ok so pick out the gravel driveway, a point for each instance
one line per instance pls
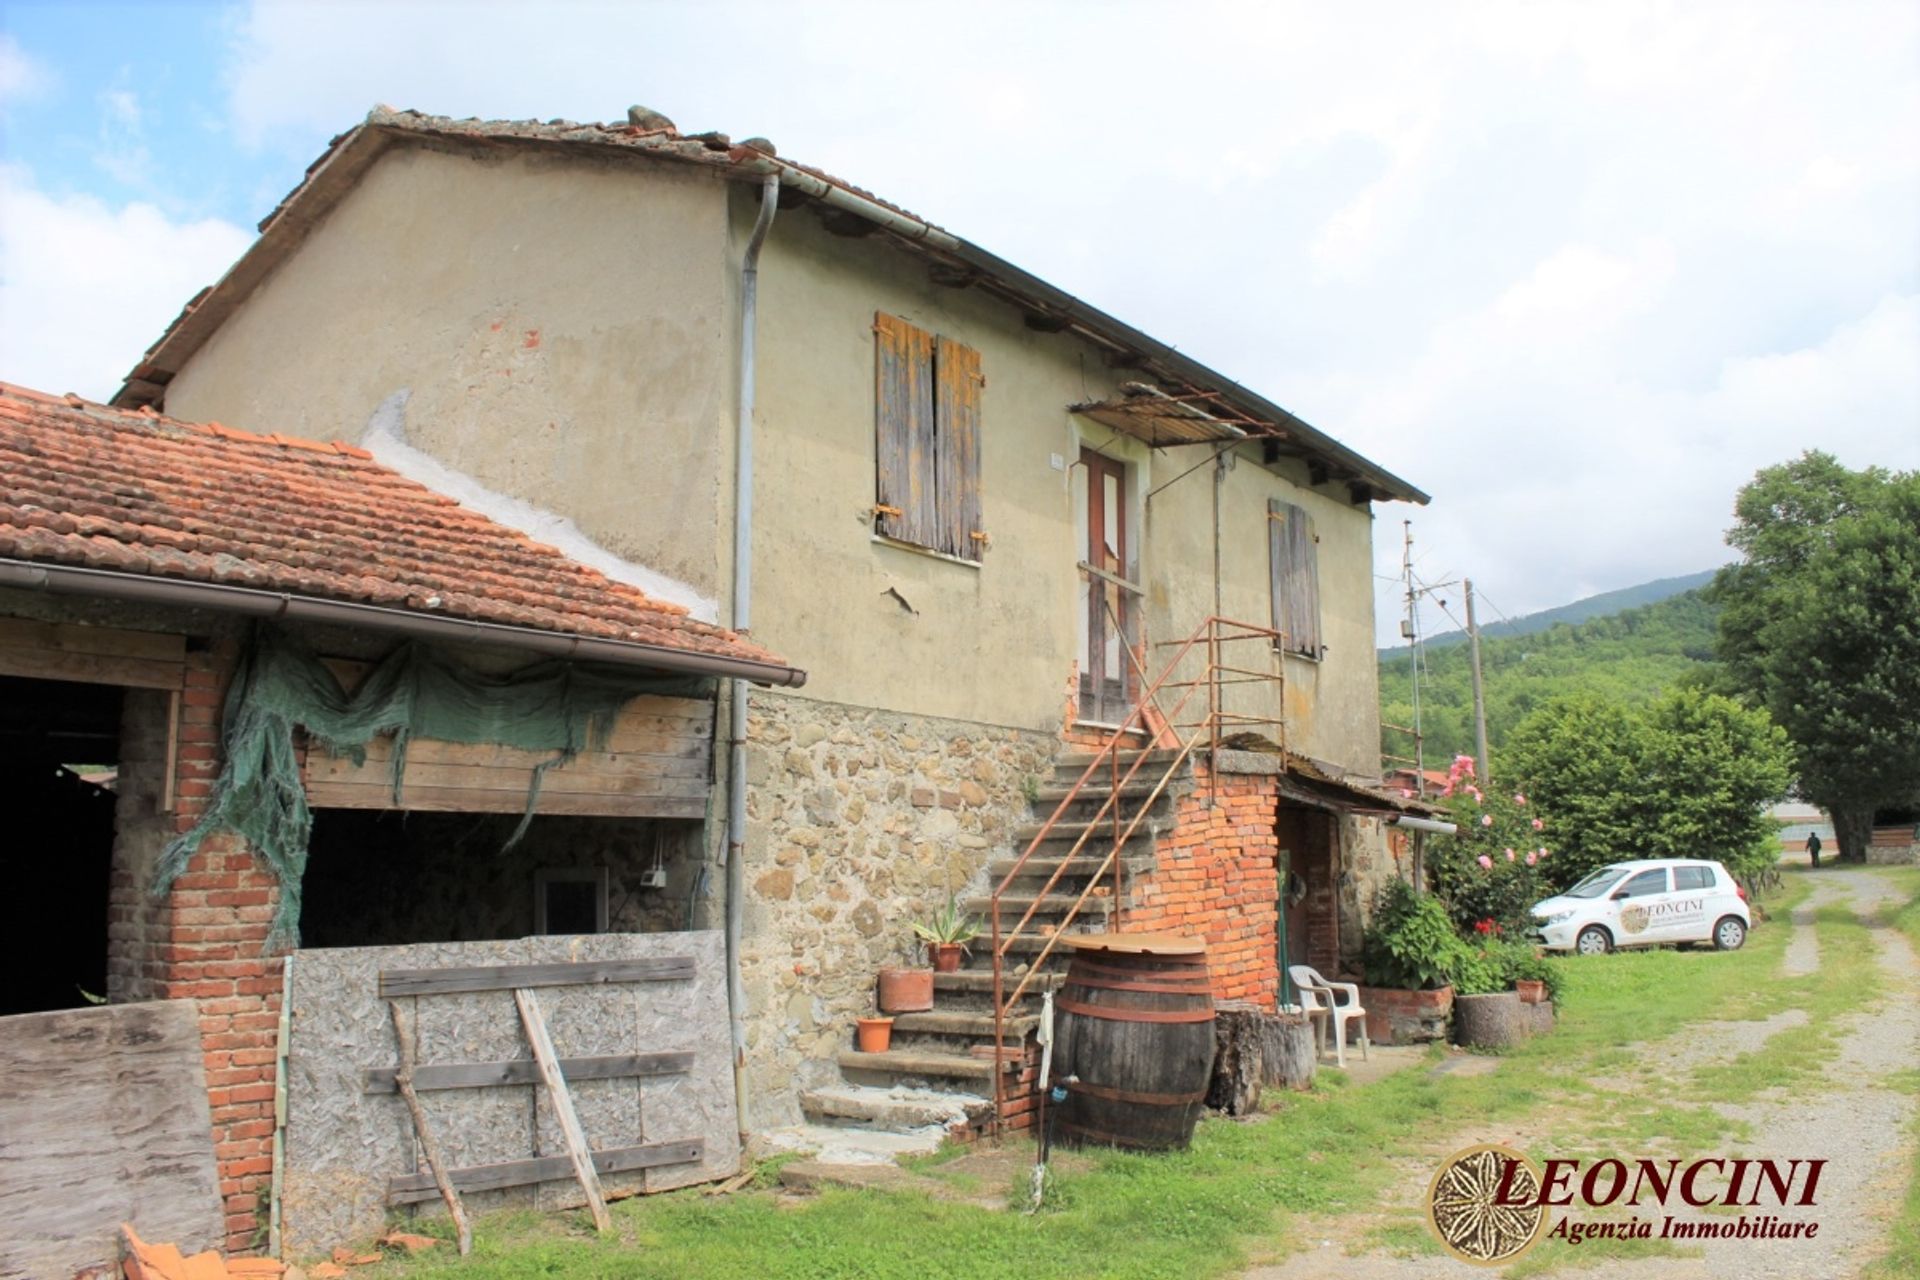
(1861, 1128)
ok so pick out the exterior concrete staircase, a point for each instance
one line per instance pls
(937, 1078)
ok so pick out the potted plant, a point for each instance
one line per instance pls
(874, 1034)
(947, 933)
(1538, 981)
(905, 989)
(1407, 955)
(1487, 1013)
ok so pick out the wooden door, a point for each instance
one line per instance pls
(1104, 670)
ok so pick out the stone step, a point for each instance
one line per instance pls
(1014, 905)
(1074, 871)
(1049, 795)
(920, 1063)
(980, 982)
(893, 1108)
(1099, 834)
(1028, 943)
(1074, 763)
(944, 1022)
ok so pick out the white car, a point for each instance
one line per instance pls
(1645, 903)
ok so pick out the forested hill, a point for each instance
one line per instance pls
(1600, 606)
(1630, 656)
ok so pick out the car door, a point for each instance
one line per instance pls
(1634, 906)
(1689, 912)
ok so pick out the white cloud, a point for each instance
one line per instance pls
(1576, 269)
(20, 75)
(85, 287)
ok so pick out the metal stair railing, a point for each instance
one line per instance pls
(1155, 723)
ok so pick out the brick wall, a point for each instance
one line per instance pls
(206, 941)
(1215, 877)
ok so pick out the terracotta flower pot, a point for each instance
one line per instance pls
(905, 990)
(875, 1034)
(1532, 990)
(946, 956)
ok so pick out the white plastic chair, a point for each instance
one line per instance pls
(1316, 994)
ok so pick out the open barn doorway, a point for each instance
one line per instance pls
(59, 765)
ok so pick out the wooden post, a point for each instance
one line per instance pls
(1235, 1087)
(549, 1063)
(1287, 1054)
(403, 1080)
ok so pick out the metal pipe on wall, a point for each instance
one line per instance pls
(742, 620)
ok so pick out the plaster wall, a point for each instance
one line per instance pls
(880, 625)
(559, 323)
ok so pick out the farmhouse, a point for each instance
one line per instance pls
(1086, 630)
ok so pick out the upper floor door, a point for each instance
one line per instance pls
(1106, 679)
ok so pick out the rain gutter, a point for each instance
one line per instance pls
(252, 602)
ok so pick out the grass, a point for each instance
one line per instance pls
(1903, 1255)
(1242, 1185)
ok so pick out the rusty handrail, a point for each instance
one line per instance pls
(1213, 632)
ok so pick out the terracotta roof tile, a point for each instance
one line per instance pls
(85, 484)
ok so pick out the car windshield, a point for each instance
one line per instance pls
(1596, 884)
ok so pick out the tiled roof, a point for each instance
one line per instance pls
(86, 485)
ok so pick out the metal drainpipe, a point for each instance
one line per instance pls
(742, 620)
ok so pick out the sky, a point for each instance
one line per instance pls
(1576, 270)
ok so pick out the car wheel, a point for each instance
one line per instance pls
(1729, 934)
(1596, 941)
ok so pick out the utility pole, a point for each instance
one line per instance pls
(1479, 691)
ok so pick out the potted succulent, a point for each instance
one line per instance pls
(947, 933)
(1407, 958)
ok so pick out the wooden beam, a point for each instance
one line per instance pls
(436, 1167)
(92, 655)
(356, 795)
(562, 1100)
(415, 1187)
(480, 1075)
(506, 977)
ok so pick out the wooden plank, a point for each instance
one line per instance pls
(507, 977)
(415, 1187)
(91, 668)
(354, 795)
(633, 773)
(103, 1120)
(492, 755)
(892, 394)
(957, 448)
(436, 1167)
(73, 637)
(480, 1075)
(562, 1102)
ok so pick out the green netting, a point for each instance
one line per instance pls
(557, 706)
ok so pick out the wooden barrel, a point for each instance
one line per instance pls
(1135, 1027)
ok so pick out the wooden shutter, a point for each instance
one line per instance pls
(904, 431)
(957, 449)
(1293, 558)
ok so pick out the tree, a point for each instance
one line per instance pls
(1820, 624)
(1688, 777)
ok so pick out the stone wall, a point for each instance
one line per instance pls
(859, 823)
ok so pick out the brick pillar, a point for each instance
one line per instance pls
(1216, 876)
(215, 924)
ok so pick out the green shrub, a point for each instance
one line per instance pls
(1411, 944)
(1490, 964)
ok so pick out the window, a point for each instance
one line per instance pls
(1646, 882)
(570, 900)
(927, 428)
(1293, 563)
(1686, 879)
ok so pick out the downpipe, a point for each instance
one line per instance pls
(736, 872)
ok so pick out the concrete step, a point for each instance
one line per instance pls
(1074, 763)
(921, 1064)
(838, 1144)
(1027, 944)
(943, 1022)
(897, 1108)
(1097, 788)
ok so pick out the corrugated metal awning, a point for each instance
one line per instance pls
(1150, 415)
